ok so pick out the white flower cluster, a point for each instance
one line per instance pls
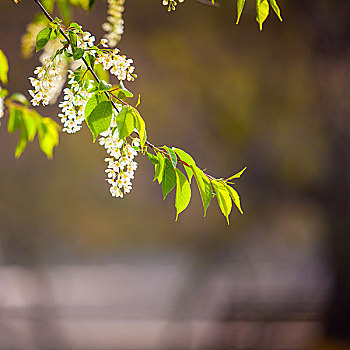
(84, 42)
(121, 165)
(171, 4)
(115, 23)
(45, 83)
(62, 65)
(119, 65)
(73, 105)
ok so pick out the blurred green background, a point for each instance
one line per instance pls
(275, 101)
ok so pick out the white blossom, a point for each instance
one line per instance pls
(119, 65)
(115, 23)
(121, 165)
(73, 105)
(171, 4)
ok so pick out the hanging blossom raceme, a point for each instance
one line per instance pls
(121, 165)
(28, 39)
(73, 104)
(62, 66)
(115, 23)
(47, 76)
(171, 4)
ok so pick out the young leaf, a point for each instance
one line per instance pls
(224, 198)
(183, 193)
(188, 159)
(48, 136)
(169, 177)
(15, 119)
(240, 6)
(100, 118)
(77, 27)
(172, 155)
(204, 187)
(78, 54)
(235, 197)
(22, 143)
(140, 126)
(159, 169)
(91, 104)
(30, 122)
(73, 40)
(4, 67)
(238, 175)
(262, 11)
(103, 86)
(276, 9)
(153, 158)
(43, 38)
(125, 122)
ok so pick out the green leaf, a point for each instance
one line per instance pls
(99, 119)
(140, 126)
(187, 159)
(4, 67)
(77, 27)
(172, 155)
(103, 86)
(73, 40)
(204, 187)
(153, 158)
(43, 38)
(125, 122)
(183, 193)
(223, 197)
(22, 143)
(159, 169)
(90, 60)
(262, 11)
(48, 136)
(276, 9)
(15, 119)
(20, 98)
(91, 104)
(30, 122)
(238, 175)
(240, 6)
(78, 54)
(235, 197)
(169, 177)
(124, 90)
(101, 73)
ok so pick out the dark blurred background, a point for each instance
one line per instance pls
(82, 270)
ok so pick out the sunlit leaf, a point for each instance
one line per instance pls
(4, 67)
(223, 197)
(204, 187)
(235, 197)
(125, 122)
(99, 119)
(43, 38)
(183, 193)
(262, 11)
(169, 177)
(240, 6)
(188, 160)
